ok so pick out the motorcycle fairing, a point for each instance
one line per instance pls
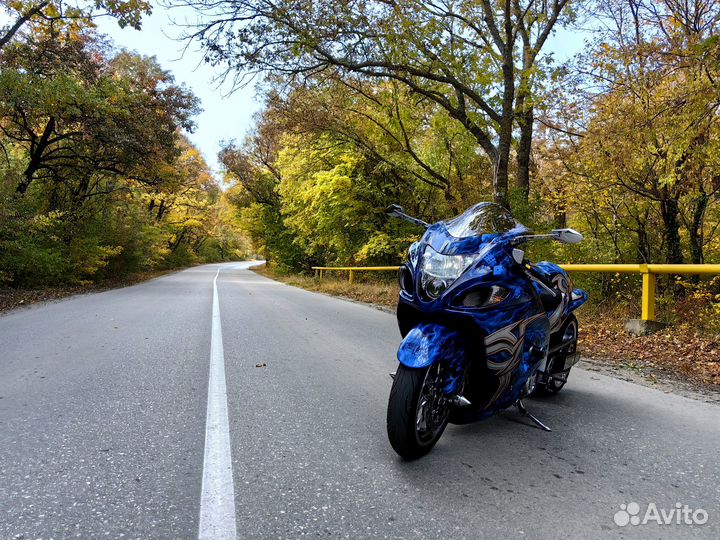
(514, 352)
(559, 281)
(513, 336)
(579, 297)
(571, 298)
(430, 343)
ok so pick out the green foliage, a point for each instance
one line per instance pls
(264, 225)
(481, 65)
(96, 179)
(310, 200)
(621, 143)
(324, 200)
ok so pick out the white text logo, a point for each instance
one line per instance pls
(681, 514)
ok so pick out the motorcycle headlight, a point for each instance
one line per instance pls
(440, 271)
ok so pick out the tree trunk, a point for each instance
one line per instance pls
(502, 162)
(670, 215)
(526, 118)
(178, 240)
(37, 150)
(697, 254)
(643, 244)
(452, 200)
(160, 211)
(500, 181)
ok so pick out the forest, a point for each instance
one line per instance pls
(431, 104)
(98, 179)
(437, 105)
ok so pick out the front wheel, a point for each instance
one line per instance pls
(418, 410)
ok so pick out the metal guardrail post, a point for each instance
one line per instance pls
(649, 288)
(351, 279)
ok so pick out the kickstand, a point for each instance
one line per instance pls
(522, 410)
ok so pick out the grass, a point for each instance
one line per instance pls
(370, 289)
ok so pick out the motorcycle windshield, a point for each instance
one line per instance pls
(481, 219)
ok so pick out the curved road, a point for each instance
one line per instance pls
(104, 402)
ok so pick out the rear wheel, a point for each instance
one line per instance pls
(557, 376)
(418, 410)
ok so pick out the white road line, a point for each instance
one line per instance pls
(217, 502)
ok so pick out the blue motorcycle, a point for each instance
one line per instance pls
(482, 328)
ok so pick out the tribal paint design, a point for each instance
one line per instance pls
(562, 284)
(509, 340)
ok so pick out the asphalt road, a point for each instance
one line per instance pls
(104, 401)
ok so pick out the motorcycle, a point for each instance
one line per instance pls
(482, 328)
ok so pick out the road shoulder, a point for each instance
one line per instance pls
(642, 373)
(12, 300)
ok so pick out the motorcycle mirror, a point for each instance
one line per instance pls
(567, 236)
(395, 210)
(518, 255)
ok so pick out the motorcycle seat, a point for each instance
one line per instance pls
(550, 301)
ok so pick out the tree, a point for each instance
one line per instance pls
(56, 15)
(649, 92)
(251, 171)
(411, 139)
(81, 116)
(480, 62)
(96, 176)
(309, 191)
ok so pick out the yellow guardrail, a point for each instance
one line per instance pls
(649, 274)
(320, 270)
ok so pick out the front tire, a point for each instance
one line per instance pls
(417, 412)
